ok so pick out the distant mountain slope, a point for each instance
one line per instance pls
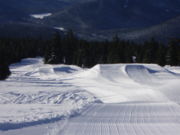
(115, 14)
(161, 32)
(18, 10)
(25, 30)
(94, 19)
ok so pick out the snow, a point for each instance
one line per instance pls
(125, 99)
(41, 106)
(125, 82)
(60, 28)
(33, 93)
(41, 16)
(173, 69)
(126, 119)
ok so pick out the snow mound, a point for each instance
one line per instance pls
(149, 73)
(35, 68)
(173, 69)
(115, 83)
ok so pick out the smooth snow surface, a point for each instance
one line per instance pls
(126, 119)
(41, 16)
(111, 99)
(173, 69)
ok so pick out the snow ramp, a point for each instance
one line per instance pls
(115, 83)
(149, 73)
(111, 72)
(140, 73)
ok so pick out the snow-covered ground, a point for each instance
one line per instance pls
(173, 69)
(36, 92)
(111, 99)
(41, 16)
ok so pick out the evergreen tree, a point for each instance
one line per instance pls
(54, 52)
(150, 55)
(172, 53)
(4, 71)
(71, 50)
(161, 53)
(114, 51)
(70, 47)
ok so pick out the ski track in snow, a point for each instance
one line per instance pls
(126, 119)
(117, 99)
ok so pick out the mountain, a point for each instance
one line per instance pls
(13, 10)
(15, 16)
(96, 19)
(19, 30)
(115, 14)
(161, 32)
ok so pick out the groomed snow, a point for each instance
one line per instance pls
(118, 99)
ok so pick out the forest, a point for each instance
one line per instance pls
(68, 49)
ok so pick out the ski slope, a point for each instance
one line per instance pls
(110, 99)
(126, 119)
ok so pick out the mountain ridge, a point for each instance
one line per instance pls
(97, 19)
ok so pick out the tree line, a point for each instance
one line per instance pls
(71, 50)
(68, 49)
(12, 50)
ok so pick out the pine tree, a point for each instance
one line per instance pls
(114, 51)
(54, 52)
(4, 71)
(172, 53)
(69, 47)
(161, 55)
(150, 54)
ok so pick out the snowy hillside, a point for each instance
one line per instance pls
(112, 99)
